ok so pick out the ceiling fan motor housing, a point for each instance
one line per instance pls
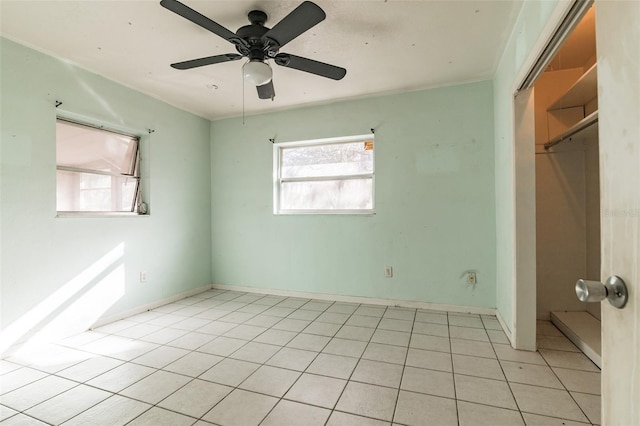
(257, 48)
(257, 17)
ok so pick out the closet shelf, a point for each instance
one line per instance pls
(582, 91)
(586, 122)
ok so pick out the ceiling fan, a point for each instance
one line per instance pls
(259, 43)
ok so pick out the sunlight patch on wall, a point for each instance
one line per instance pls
(71, 309)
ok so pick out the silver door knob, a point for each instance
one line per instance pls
(614, 290)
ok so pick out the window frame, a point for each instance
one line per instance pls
(136, 167)
(278, 179)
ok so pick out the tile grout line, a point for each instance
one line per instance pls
(252, 340)
(304, 371)
(300, 372)
(545, 387)
(567, 390)
(123, 363)
(262, 364)
(118, 392)
(233, 388)
(78, 384)
(237, 387)
(404, 366)
(453, 370)
(356, 366)
(152, 405)
(509, 385)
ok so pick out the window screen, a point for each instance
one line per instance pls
(326, 176)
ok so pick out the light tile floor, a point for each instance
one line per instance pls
(231, 358)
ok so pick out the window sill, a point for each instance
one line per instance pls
(326, 212)
(98, 214)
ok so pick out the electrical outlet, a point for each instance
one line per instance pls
(471, 278)
(388, 271)
(143, 277)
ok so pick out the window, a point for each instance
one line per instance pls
(324, 176)
(97, 170)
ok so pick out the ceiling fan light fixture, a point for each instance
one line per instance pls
(257, 72)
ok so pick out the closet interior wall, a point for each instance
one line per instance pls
(567, 178)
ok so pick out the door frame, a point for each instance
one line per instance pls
(617, 34)
(562, 20)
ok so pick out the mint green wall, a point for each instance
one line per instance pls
(41, 253)
(534, 18)
(434, 201)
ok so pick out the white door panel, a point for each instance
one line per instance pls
(618, 44)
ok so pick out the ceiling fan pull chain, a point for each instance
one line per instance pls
(243, 83)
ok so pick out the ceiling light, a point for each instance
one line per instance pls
(257, 72)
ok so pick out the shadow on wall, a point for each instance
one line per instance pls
(73, 308)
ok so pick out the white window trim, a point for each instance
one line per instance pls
(74, 214)
(99, 124)
(277, 179)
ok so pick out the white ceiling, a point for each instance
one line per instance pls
(386, 46)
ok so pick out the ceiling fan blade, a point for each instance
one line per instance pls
(301, 19)
(266, 91)
(209, 60)
(309, 65)
(199, 19)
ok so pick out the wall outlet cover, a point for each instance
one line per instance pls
(388, 271)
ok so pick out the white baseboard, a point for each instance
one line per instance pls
(503, 324)
(360, 299)
(149, 306)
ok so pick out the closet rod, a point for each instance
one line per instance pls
(578, 127)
